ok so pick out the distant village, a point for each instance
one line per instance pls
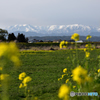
(54, 41)
(21, 38)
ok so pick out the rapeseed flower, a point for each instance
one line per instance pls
(21, 85)
(87, 54)
(75, 36)
(71, 75)
(24, 79)
(80, 75)
(36, 98)
(84, 49)
(3, 76)
(22, 75)
(10, 51)
(98, 70)
(16, 60)
(59, 79)
(27, 79)
(64, 92)
(72, 42)
(1, 68)
(91, 49)
(74, 86)
(63, 44)
(63, 75)
(64, 70)
(88, 37)
(86, 45)
(67, 81)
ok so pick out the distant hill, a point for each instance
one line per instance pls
(94, 38)
(53, 30)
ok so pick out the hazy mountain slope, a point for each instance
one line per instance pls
(52, 30)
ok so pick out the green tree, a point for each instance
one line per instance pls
(3, 34)
(11, 37)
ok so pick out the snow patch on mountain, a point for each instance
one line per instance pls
(53, 29)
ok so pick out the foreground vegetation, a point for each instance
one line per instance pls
(45, 68)
(42, 73)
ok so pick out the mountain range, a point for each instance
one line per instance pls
(53, 30)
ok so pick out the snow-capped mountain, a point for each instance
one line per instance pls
(52, 30)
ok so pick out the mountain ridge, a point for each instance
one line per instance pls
(52, 30)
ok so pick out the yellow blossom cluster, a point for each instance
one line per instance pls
(87, 54)
(88, 37)
(63, 44)
(10, 51)
(87, 49)
(75, 36)
(80, 75)
(64, 92)
(1, 68)
(24, 79)
(3, 76)
(64, 71)
(98, 70)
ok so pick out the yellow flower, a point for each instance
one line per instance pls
(3, 76)
(98, 70)
(67, 80)
(84, 49)
(1, 68)
(66, 42)
(72, 42)
(59, 79)
(74, 86)
(25, 84)
(91, 49)
(71, 75)
(28, 91)
(22, 75)
(99, 56)
(27, 79)
(63, 76)
(62, 44)
(16, 60)
(75, 36)
(80, 75)
(88, 37)
(95, 73)
(10, 50)
(36, 98)
(21, 85)
(86, 45)
(64, 70)
(64, 92)
(87, 54)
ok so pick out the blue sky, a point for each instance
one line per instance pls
(49, 12)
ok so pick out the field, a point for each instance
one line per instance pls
(45, 67)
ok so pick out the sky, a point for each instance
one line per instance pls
(49, 12)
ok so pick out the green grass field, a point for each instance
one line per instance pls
(45, 67)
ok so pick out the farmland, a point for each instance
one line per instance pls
(45, 67)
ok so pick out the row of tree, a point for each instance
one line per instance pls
(12, 37)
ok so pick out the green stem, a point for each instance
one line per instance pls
(77, 54)
(4, 84)
(26, 92)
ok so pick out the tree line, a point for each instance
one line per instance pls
(12, 37)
